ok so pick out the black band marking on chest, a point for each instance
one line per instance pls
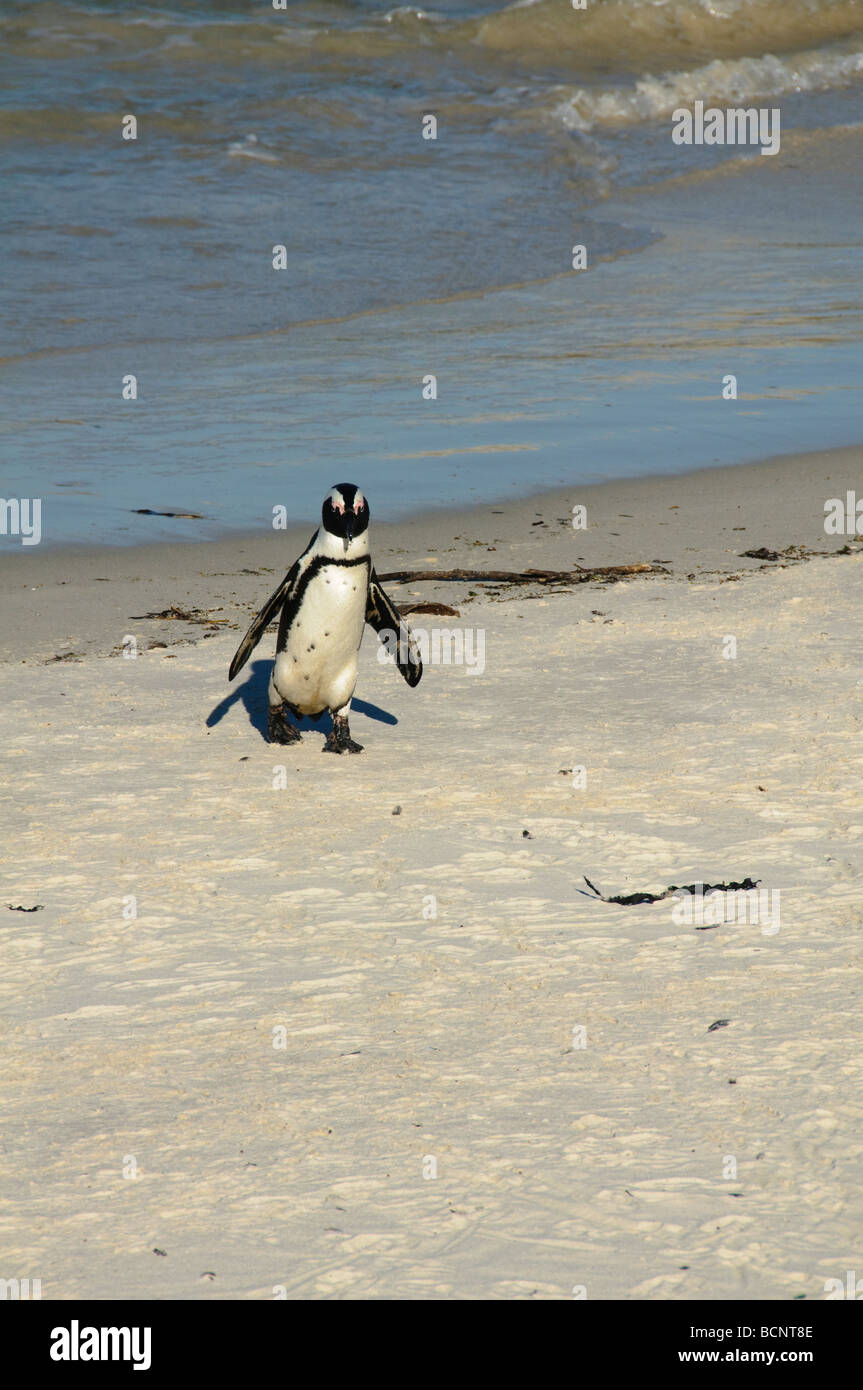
(294, 603)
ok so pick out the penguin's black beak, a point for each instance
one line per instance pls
(349, 529)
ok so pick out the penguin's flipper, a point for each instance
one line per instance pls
(384, 617)
(262, 621)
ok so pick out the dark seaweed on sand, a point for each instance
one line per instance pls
(631, 899)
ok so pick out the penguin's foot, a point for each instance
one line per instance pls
(339, 739)
(279, 727)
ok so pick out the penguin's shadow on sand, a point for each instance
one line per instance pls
(254, 695)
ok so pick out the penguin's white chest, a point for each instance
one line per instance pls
(318, 668)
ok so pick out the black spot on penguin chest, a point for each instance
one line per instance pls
(292, 609)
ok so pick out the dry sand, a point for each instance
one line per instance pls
(161, 1142)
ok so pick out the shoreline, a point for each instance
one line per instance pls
(693, 523)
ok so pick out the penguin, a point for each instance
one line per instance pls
(326, 598)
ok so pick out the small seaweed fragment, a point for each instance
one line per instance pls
(148, 511)
(440, 610)
(190, 615)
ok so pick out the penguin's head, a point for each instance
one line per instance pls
(345, 512)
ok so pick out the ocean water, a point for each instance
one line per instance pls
(407, 257)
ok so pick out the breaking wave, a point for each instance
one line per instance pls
(734, 82)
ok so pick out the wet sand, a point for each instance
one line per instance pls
(77, 601)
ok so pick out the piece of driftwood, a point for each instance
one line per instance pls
(576, 576)
(631, 899)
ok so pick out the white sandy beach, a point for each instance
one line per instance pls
(415, 1042)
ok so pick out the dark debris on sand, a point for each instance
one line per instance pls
(631, 899)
